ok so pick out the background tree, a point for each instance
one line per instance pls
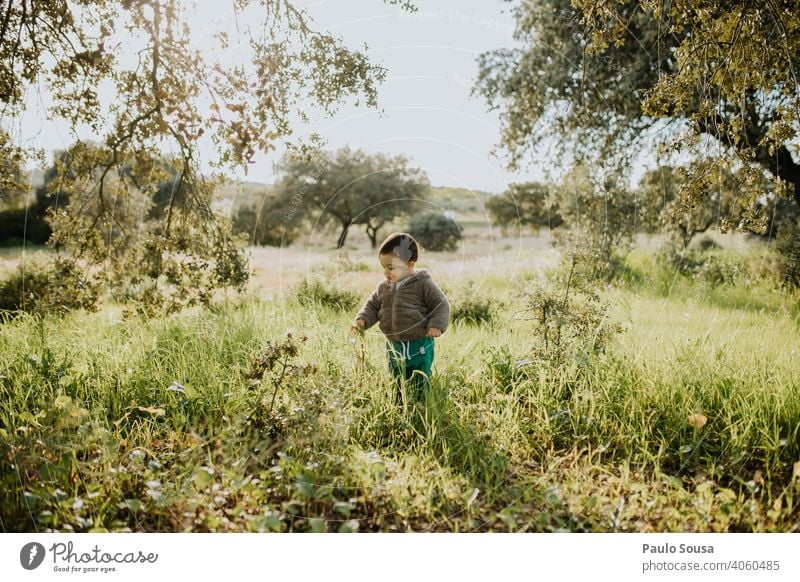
(528, 203)
(163, 179)
(601, 74)
(660, 207)
(59, 177)
(12, 183)
(166, 100)
(13, 199)
(350, 187)
(265, 220)
(435, 231)
(599, 219)
(20, 220)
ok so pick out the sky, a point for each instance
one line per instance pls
(427, 111)
(425, 108)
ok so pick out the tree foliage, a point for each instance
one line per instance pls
(265, 221)
(349, 187)
(435, 231)
(167, 91)
(54, 288)
(19, 219)
(601, 74)
(660, 207)
(12, 186)
(526, 204)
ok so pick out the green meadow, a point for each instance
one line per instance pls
(263, 413)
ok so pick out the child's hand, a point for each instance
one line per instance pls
(357, 326)
(433, 332)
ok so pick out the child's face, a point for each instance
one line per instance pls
(394, 267)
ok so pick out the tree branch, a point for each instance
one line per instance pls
(156, 52)
(5, 22)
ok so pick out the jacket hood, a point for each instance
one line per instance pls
(420, 275)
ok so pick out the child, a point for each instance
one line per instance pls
(411, 310)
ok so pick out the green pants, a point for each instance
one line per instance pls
(411, 361)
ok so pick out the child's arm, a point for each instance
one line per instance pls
(368, 314)
(439, 308)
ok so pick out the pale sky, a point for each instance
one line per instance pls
(425, 109)
(428, 113)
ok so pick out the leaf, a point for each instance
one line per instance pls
(156, 496)
(30, 418)
(349, 526)
(292, 507)
(304, 487)
(151, 410)
(118, 422)
(272, 521)
(343, 507)
(317, 525)
(203, 477)
(797, 469)
(238, 484)
(509, 520)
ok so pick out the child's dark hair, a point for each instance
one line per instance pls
(401, 244)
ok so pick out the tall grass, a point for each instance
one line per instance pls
(158, 424)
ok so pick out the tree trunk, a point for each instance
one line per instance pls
(372, 233)
(343, 235)
(782, 165)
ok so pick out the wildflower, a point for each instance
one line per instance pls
(697, 420)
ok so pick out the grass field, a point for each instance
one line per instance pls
(688, 421)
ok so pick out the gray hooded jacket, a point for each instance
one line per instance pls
(406, 309)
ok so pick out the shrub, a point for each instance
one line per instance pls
(23, 225)
(53, 288)
(343, 261)
(264, 224)
(435, 232)
(471, 307)
(568, 323)
(708, 244)
(312, 292)
(523, 204)
(787, 244)
(711, 266)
